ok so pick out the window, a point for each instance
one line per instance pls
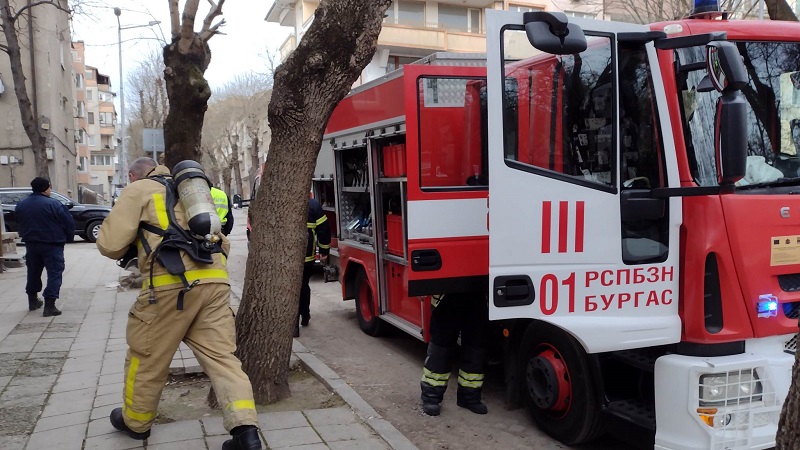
(406, 13)
(91, 118)
(89, 75)
(12, 198)
(81, 109)
(106, 119)
(102, 160)
(453, 17)
(80, 137)
(568, 132)
(89, 94)
(92, 139)
(580, 14)
(79, 81)
(452, 132)
(396, 62)
(84, 167)
(521, 8)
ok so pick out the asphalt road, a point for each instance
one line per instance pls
(386, 372)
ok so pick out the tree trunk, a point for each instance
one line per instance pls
(188, 94)
(780, 10)
(29, 122)
(255, 161)
(237, 173)
(788, 437)
(226, 179)
(338, 45)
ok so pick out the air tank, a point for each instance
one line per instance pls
(194, 193)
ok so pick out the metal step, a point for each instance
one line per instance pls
(634, 410)
(642, 359)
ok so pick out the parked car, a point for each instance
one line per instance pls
(88, 218)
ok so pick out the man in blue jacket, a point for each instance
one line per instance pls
(45, 226)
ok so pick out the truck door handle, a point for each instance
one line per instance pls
(514, 290)
(425, 260)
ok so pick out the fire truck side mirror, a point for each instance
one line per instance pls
(730, 137)
(552, 33)
(725, 67)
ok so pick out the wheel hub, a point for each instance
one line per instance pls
(548, 381)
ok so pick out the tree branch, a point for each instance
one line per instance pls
(206, 34)
(187, 28)
(174, 16)
(42, 2)
(216, 10)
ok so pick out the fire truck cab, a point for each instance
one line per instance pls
(620, 194)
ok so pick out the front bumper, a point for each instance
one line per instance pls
(738, 423)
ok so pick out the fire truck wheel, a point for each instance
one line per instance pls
(365, 307)
(558, 384)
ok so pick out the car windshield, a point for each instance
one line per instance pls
(773, 109)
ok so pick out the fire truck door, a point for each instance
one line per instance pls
(574, 148)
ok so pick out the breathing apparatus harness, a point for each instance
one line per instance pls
(191, 187)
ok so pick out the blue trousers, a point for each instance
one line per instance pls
(39, 256)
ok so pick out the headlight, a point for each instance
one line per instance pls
(730, 388)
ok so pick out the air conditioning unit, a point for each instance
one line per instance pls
(49, 152)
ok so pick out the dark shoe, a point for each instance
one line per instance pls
(296, 331)
(431, 409)
(246, 439)
(477, 408)
(34, 302)
(304, 320)
(118, 423)
(50, 308)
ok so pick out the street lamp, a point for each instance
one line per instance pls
(124, 155)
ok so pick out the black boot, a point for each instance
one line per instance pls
(50, 308)
(245, 437)
(119, 423)
(34, 302)
(304, 318)
(470, 398)
(435, 374)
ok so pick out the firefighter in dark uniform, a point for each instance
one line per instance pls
(467, 314)
(319, 236)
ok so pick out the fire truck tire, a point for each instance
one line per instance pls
(368, 320)
(557, 380)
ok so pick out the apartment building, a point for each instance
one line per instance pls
(95, 135)
(47, 63)
(414, 29)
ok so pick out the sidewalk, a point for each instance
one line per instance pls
(61, 377)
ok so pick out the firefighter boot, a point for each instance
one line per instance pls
(435, 374)
(34, 302)
(470, 398)
(245, 437)
(119, 423)
(50, 308)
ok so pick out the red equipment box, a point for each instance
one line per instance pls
(394, 161)
(394, 234)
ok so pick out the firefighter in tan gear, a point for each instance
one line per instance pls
(466, 314)
(156, 324)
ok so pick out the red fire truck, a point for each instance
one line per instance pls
(622, 195)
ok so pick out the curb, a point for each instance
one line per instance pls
(365, 412)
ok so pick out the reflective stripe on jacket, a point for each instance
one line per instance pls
(319, 231)
(145, 201)
(221, 204)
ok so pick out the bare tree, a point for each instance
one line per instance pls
(150, 106)
(780, 10)
(10, 22)
(186, 59)
(338, 45)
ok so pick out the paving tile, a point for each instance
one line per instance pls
(176, 431)
(191, 444)
(115, 441)
(110, 379)
(215, 442)
(66, 402)
(67, 438)
(360, 444)
(52, 345)
(309, 447)
(74, 383)
(213, 426)
(13, 442)
(291, 436)
(106, 399)
(103, 411)
(331, 433)
(111, 388)
(330, 416)
(4, 381)
(62, 421)
(99, 427)
(282, 420)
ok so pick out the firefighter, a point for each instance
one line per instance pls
(224, 209)
(319, 236)
(468, 315)
(158, 322)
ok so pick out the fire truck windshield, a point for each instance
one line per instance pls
(773, 108)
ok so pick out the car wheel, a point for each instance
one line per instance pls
(559, 385)
(368, 321)
(93, 230)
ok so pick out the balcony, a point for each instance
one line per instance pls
(288, 46)
(405, 38)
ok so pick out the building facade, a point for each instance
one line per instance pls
(49, 82)
(95, 130)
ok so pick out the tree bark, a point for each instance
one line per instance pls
(29, 122)
(188, 94)
(237, 173)
(780, 10)
(338, 45)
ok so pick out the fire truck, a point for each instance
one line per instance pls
(623, 197)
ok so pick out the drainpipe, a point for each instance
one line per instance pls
(34, 94)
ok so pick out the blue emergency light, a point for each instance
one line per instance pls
(705, 6)
(767, 306)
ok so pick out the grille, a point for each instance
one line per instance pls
(791, 345)
(789, 282)
(791, 310)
